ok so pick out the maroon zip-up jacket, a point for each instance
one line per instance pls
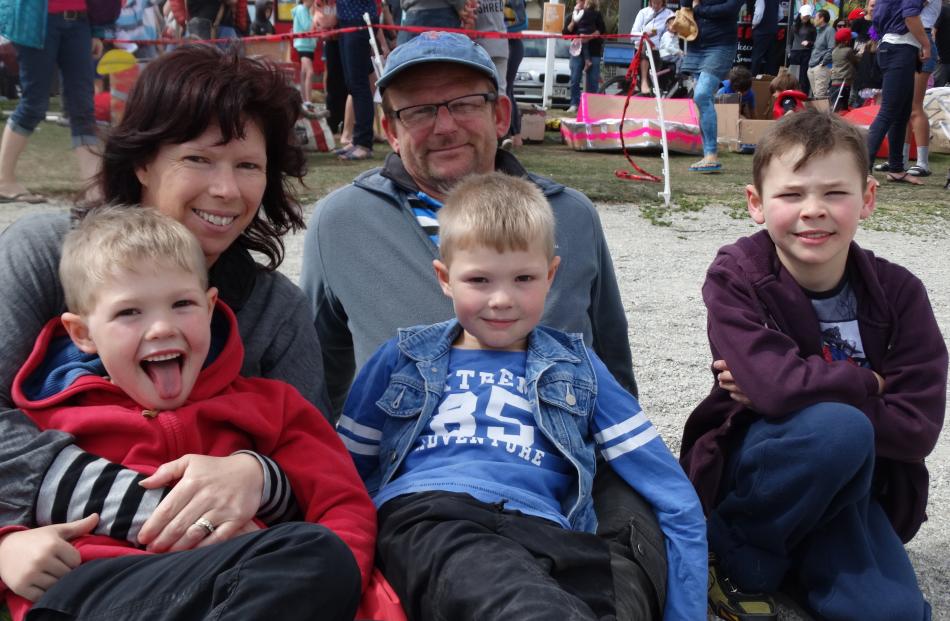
(763, 325)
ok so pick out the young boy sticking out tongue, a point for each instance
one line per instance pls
(142, 370)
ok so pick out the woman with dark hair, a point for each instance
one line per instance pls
(208, 140)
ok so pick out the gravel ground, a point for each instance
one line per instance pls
(661, 270)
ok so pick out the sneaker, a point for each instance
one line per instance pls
(726, 601)
(571, 110)
(884, 167)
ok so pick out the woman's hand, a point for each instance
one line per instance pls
(32, 561)
(728, 383)
(225, 491)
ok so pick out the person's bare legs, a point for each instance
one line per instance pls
(11, 148)
(919, 125)
(645, 73)
(346, 134)
(306, 78)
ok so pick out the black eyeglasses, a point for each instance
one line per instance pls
(461, 108)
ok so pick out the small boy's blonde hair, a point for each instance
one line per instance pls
(818, 133)
(496, 211)
(109, 240)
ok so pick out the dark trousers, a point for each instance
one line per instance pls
(898, 65)
(335, 85)
(761, 60)
(797, 505)
(450, 557)
(801, 58)
(355, 55)
(515, 56)
(839, 102)
(292, 571)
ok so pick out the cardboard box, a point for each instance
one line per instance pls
(750, 132)
(601, 122)
(763, 96)
(727, 124)
(532, 123)
(274, 50)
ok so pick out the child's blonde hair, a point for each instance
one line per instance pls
(109, 240)
(496, 211)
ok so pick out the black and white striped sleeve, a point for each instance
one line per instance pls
(278, 503)
(78, 484)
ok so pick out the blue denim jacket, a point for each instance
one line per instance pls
(578, 406)
(562, 388)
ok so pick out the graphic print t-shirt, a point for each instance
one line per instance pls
(483, 441)
(837, 312)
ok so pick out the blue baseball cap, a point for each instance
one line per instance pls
(437, 46)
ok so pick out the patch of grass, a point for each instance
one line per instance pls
(901, 207)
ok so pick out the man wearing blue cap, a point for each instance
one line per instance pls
(367, 259)
(368, 252)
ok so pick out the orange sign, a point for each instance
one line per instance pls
(553, 20)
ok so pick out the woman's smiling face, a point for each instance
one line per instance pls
(213, 189)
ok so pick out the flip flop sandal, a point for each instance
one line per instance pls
(342, 150)
(903, 178)
(356, 153)
(918, 171)
(704, 166)
(23, 197)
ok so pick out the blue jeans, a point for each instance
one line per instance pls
(797, 499)
(434, 18)
(68, 45)
(577, 70)
(898, 64)
(355, 55)
(704, 94)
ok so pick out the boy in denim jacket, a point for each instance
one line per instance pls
(478, 438)
(830, 391)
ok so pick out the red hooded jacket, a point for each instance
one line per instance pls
(224, 413)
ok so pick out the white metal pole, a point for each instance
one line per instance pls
(377, 58)
(665, 194)
(548, 89)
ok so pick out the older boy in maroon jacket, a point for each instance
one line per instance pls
(831, 373)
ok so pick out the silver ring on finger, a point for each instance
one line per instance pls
(206, 524)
